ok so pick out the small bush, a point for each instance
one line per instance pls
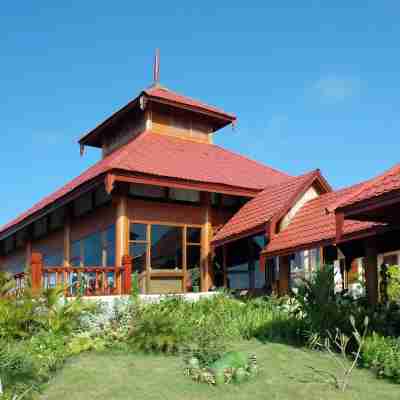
(382, 354)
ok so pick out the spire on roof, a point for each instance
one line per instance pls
(156, 68)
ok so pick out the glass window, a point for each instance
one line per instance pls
(193, 235)
(166, 247)
(53, 259)
(92, 250)
(138, 232)
(110, 246)
(192, 196)
(138, 252)
(229, 201)
(140, 190)
(193, 254)
(75, 260)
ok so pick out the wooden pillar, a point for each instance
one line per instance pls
(206, 232)
(121, 229)
(121, 234)
(284, 275)
(127, 265)
(67, 239)
(36, 272)
(371, 271)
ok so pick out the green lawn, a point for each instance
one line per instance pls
(285, 374)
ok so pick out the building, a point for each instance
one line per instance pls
(168, 204)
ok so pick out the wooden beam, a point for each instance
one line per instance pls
(339, 217)
(371, 271)
(284, 275)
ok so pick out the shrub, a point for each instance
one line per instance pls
(393, 288)
(382, 354)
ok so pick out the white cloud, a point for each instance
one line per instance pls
(334, 89)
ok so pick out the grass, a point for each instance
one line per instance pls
(286, 373)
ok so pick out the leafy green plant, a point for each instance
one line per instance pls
(393, 288)
(382, 355)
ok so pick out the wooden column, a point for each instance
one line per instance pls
(121, 228)
(127, 265)
(284, 275)
(371, 271)
(67, 239)
(121, 233)
(36, 272)
(206, 232)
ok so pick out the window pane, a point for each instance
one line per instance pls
(75, 260)
(138, 232)
(193, 257)
(92, 249)
(110, 246)
(238, 281)
(155, 192)
(194, 235)
(166, 247)
(53, 259)
(192, 196)
(138, 253)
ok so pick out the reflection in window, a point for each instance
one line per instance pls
(166, 247)
(95, 250)
(138, 232)
(53, 258)
(193, 257)
(138, 253)
(149, 191)
(92, 250)
(193, 235)
(191, 196)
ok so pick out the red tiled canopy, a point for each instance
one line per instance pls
(313, 225)
(166, 156)
(273, 200)
(387, 182)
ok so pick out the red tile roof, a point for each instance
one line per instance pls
(166, 156)
(313, 224)
(382, 184)
(267, 204)
(160, 92)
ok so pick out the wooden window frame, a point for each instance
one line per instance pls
(147, 242)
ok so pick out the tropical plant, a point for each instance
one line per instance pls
(393, 289)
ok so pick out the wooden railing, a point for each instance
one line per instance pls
(84, 281)
(19, 283)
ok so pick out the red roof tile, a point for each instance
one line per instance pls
(160, 92)
(384, 183)
(171, 157)
(313, 224)
(267, 204)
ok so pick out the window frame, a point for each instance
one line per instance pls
(147, 242)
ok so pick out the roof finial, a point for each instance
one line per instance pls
(156, 67)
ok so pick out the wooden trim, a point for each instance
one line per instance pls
(259, 229)
(62, 201)
(123, 176)
(370, 204)
(167, 274)
(206, 275)
(339, 218)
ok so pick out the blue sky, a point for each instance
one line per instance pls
(315, 84)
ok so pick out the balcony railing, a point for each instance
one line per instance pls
(83, 281)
